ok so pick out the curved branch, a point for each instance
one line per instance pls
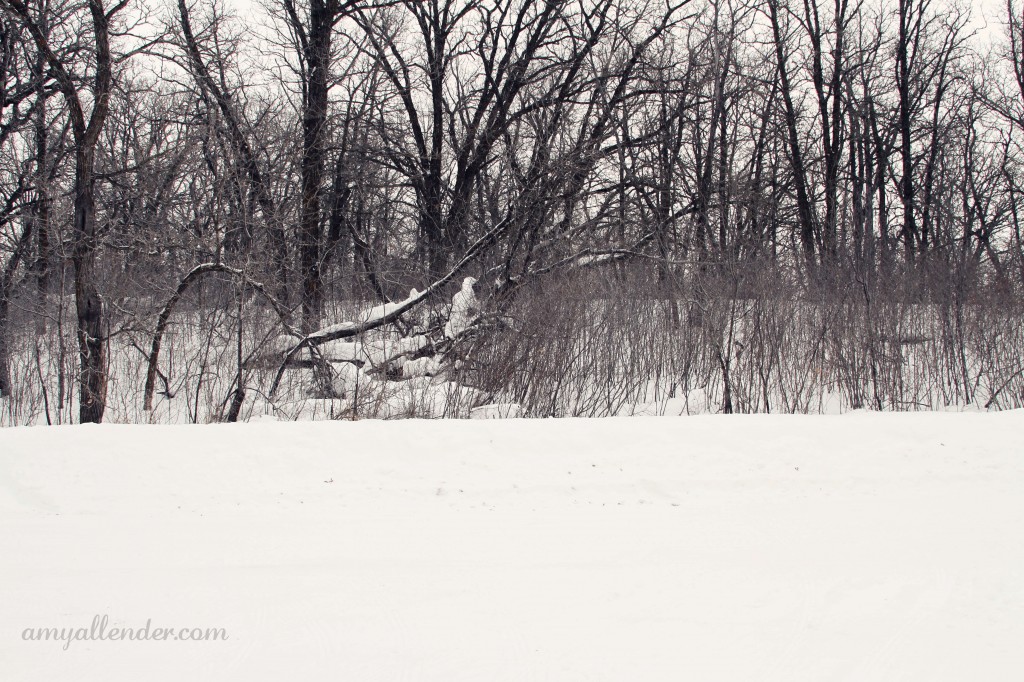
(390, 312)
(165, 314)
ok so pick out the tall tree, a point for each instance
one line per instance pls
(312, 24)
(88, 102)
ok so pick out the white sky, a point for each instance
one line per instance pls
(987, 14)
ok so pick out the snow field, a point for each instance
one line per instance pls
(857, 547)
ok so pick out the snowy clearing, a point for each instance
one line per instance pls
(736, 548)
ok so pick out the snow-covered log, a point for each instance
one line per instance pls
(391, 311)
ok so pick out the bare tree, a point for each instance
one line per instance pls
(88, 105)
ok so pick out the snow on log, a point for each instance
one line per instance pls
(390, 312)
(465, 309)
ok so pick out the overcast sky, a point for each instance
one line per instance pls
(987, 14)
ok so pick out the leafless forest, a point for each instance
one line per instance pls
(394, 208)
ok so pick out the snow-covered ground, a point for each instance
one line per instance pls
(743, 548)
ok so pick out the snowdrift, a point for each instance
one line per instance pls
(772, 548)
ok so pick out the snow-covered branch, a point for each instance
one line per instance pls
(389, 312)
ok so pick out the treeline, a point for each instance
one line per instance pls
(320, 152)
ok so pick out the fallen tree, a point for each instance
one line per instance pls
(390, 312)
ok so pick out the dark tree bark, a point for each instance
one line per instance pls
(803, 200)
(85, 243)
(906, 41)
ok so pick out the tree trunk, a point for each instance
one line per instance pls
(88, 304)
(903, 84)
(803, 200)
(314, 133)
(41, 212)
(5, 354)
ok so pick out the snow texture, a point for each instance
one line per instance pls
(421, 367)
(465, 308)
(497, 411)
(727, 549)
